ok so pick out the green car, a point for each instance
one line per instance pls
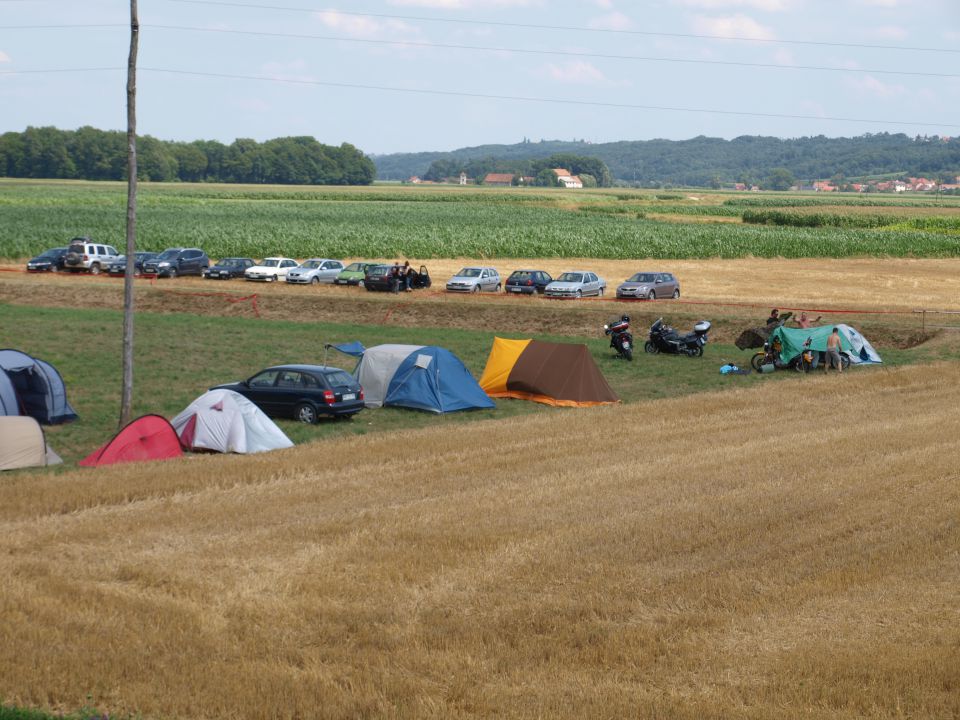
(353, 274)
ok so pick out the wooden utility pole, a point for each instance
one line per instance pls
(126, 397)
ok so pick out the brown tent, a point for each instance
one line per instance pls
(22, 444)
(551, 373)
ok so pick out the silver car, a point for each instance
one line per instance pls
(649, 286)
(314, 271)
(475, 279)
(576, 284)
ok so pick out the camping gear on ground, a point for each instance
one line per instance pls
(421, 377)
(149, 437)
(621, 339)
(553, 373)
(23, 445)
(29, 386)
(665, 339)
(732, 369)
(225, 421)
(854, 348)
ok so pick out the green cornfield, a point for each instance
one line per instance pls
(432, 222)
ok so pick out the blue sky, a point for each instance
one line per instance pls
(413, 75)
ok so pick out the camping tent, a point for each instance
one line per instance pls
(225, 421)
(422, 377)
(32, 387)
(149, 437)
(22, 444)
(551, 373)
(857, 347)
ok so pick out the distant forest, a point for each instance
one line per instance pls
(713, 162)
(91, 154)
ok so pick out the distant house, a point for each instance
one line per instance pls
(463, 178)
(566, 179)
(415, 179)
(824, 186)
(499, 179)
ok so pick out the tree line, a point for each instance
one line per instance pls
(92, 154)
(541, 169)
(704, 161)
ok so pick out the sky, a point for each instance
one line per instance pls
(435, 75)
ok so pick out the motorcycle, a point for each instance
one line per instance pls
(621, 339)
(665, 339)
(806, 360)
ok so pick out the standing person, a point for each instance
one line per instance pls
(833, 351)
(395, 278)
(407, 275)
(806, 322)
(774, 317)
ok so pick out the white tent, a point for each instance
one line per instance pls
(225, 421)
(861, 351)
(22, 444)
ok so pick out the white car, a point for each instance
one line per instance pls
(270, 269)
(475, 279)
(315, 270)
(576, 284)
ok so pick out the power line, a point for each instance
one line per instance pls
(565, 53)
(532, 26)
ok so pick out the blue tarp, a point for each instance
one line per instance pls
(355, 348)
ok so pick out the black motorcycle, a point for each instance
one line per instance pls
(665, 339)
(621, 339)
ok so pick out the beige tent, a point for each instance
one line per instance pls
(22, 444)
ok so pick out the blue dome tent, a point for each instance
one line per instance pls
(29, 386)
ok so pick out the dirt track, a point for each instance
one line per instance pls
(880, 294)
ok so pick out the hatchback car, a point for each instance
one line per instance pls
(649, 286)
(50, 261)
(576, 284)
(380, 277)
(229, 268)
(270, 269)
(527, 282)
(302, 392)
(177, 261)
(119, 266)
(353, 274)
(475, 279)
(314, 271)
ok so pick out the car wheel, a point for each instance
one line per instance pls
(314, 280)
(172, 273)
(359, 283)
(651, 295)
(54, 268)
(306, 413)
(649, 347)
(579, 294)
(369, 289)
(600, 293)
(676, 294)
(498, 288)
(95, 269)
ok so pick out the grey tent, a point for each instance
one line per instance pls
(29, 386)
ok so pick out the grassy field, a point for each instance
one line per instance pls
(706, 556)
(452, 222)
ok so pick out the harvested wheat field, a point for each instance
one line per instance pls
(755, 554)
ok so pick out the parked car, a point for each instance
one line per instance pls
(378, 277)
(302, 392)
(353, 274)
(315, 270)
(229, 268)
(576, 284)
(84, 254)
(527, 282)
(475, 279)
(50, 261)
(119, 266)
(177, 261)
(270, 269)
(649, 286)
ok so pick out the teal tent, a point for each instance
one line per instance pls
(855, 345)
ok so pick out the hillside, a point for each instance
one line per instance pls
(702, 160)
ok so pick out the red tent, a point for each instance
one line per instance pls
(149, 437)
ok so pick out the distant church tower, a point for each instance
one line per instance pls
(463, 178)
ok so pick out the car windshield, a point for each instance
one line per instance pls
(271, 262)
(48, 255)
(355, 267)
(379, 270)
(641, 277)
(168, 255)
(570, 277)
(469, 272)
(231, 262)
(340, 378)
(521, 275)
(311, 264)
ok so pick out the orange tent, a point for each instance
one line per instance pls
(149, 437)
(552, 373)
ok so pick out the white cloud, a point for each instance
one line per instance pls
(611, 21)
(764, 5)
(4, 57)
(575, 72)
(870, 86)
(734, 26)
(364, 27)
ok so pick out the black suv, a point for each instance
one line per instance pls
(177, 261)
